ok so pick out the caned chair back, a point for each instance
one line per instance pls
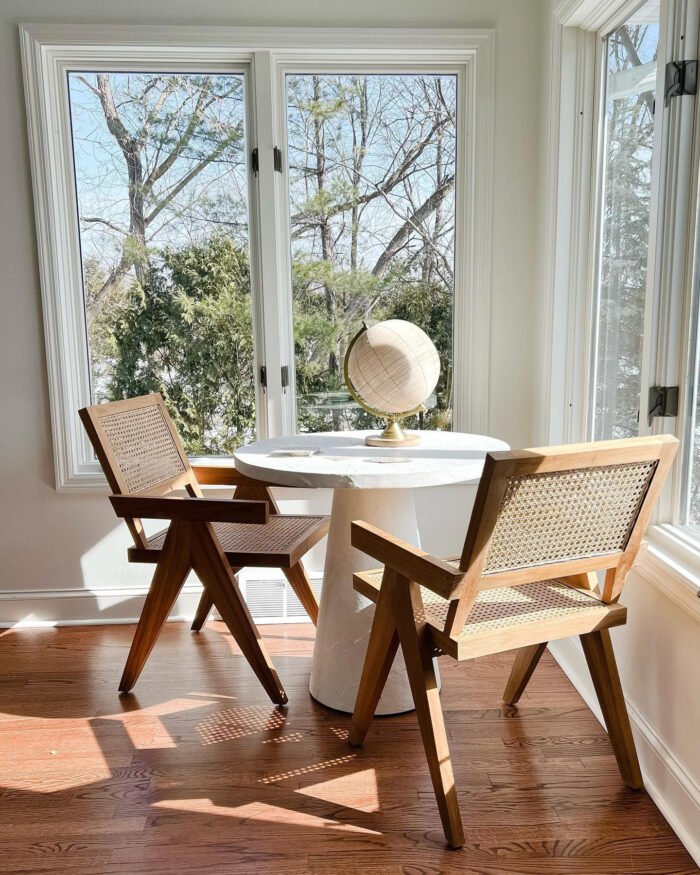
(139, 450)
(561, 513)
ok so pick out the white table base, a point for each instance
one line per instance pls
(345, 616)
(380, 492)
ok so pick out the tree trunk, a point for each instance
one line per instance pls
(134, 249)
(358, 156)
(324, 223)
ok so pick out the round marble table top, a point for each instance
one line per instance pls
(344, 462)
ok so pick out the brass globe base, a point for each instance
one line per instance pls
(393, 436)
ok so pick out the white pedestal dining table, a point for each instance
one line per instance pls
(375, 484)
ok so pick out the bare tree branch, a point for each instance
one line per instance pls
(411, 224)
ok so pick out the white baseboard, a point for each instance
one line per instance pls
(80, 607)
(270, 602)
(675, 792)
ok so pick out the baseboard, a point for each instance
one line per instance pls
(270, 600)
(675, 792)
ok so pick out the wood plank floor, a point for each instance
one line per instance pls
(197, 773)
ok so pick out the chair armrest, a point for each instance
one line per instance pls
(409, 561)
(225, 475)
(210, 510)
(207, 475)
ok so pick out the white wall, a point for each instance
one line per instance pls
(71, 544)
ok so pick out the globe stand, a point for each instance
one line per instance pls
(393, 436)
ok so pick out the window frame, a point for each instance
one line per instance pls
(264, 55)
(463, 322)
(599, 168)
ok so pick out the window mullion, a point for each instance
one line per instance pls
(273, 241)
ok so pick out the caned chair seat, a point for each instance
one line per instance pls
(279, 543)
(508, 616)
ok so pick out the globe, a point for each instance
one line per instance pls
(391, 368)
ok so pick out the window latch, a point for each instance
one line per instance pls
(263, 377)
(285, 377)
(663, 401)
(681, 78)
(255, 160)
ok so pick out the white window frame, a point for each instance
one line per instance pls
(576, 117)
(264, 55)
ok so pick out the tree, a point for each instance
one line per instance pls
(429, 306)
(169, 130)
(187, 332)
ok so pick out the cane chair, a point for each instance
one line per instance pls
(144, 462)
(544, 522)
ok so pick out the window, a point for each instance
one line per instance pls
(625, 205)
(161, 185)
(372, 165)
(690, 510)
(218, 212)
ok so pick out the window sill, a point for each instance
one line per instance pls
(671, 562)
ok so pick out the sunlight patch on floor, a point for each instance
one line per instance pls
(307, 770)
(56, 751)
(145, 727)
(357, 790)
(283, 739)
(235, 723)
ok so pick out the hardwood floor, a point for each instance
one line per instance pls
(195, 772)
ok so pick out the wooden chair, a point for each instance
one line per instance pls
(145, 463)
(544, 522)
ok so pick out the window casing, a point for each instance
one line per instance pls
(264, 58)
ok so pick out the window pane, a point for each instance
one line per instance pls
(162, 206)
(692, 499)
(691, 504)
(624, 244)
(371, 186)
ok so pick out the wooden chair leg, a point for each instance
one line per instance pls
(203, 610)
(418, 654)
(212, 568)
(170, 574)
(523, 667)
(300, 583)
(598, 650)
(381, 650)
